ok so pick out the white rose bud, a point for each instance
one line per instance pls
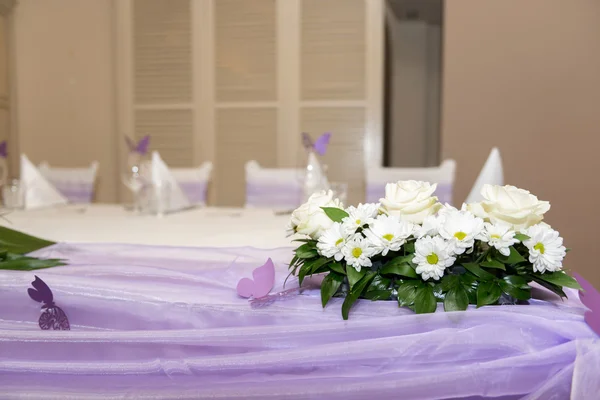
(412, 201)
(310, 219)
(511, 205)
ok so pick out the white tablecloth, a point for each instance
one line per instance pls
(220, 227)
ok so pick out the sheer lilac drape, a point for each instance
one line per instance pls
(166, 323)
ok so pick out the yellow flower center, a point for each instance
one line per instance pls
(495, 236)
(356, 252)
(460, 235)
(432, 258)
(357, 222)
(388, 237)
(339, 241)
(539, 247)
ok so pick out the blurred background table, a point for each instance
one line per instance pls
(200, 227)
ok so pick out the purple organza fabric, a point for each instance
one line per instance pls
(166, 323)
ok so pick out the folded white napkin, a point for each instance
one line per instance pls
(315, 179)
(491, 173)
(38, 191)
(161, 177)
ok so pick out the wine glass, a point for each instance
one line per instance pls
(312, 174)
(135, 176)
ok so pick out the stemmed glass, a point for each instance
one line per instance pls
(135, 176)
(308, 178)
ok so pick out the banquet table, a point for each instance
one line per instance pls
(165, 322)
(199, 227)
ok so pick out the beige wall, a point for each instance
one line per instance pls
(525, 76)
(65, 85)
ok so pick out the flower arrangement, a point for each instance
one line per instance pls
(412, 249)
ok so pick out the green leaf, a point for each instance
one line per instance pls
(493, 264)
(307, 250)
(515, 286)
(407, 292)
(304, 270)
(355, 293)
(513, 258)
(488, 293)
(354, 276)
(425, 301)
(378, 295)
(516, 281)
(409, 247)
(20, 243)
(550, 286)
(521, 237)
(29, 264)
(476, 270)
(337, 267)
(335, 214)
(318, 264)
(559, 278)
(379, 289)
(449, 282)
(456, 299)
(330, 285)
(399, 266)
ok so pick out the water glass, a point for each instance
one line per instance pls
(13, 194)
(340, 191)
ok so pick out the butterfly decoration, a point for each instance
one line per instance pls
(319, 145)
(590, 297)
(261, 284)
(3, 149)
(53, 317)
(140, 147)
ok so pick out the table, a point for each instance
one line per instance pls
(205, 227)
(159, 322)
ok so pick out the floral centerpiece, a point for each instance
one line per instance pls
(412, 249)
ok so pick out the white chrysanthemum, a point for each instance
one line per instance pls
(432, 256)
(359, 216)
(331, 242)
(357, 252)
(289, 229)
(388, 233)
(546, 250)
(430, 227)
(460, 228)
(500, 236)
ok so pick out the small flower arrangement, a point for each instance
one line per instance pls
(412, 249)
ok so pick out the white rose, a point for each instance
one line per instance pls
(514, 206)
(412, 201)
(310, 219)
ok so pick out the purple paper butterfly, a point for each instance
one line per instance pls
(319, 145)
(141, 147)
(3, 149)
(261, 285)
(591, 299)
(53, 317)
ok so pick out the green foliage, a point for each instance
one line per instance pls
(335, 214)
(20, 243)
(13, 246)
(479, 278)
(399, 266)
(330, 285)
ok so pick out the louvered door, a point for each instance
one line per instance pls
(235, 80)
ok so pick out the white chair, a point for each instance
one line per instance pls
(275, 188)
(492, 173)
(378, 177)
(194, 182)
(76, 184)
